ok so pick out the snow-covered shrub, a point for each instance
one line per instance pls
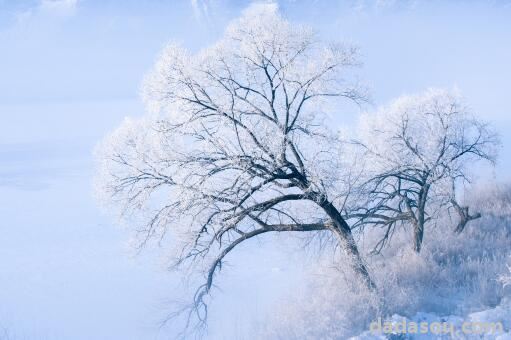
(505, 279)
(334, 304)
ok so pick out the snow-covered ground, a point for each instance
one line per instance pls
(492, 323)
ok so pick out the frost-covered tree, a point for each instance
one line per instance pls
(418, 150)
(235, 145)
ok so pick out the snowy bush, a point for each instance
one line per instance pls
(455, 274)
(505, 279)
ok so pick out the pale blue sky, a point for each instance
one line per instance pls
(70, 71)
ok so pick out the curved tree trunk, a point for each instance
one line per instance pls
(464, 216)
(343, 233)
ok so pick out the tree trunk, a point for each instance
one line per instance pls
(418, 224)
(343, 233)
(418, 234)
(461, 224)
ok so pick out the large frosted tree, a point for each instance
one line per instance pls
(235, 145)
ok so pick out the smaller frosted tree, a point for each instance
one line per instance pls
(418, 150)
